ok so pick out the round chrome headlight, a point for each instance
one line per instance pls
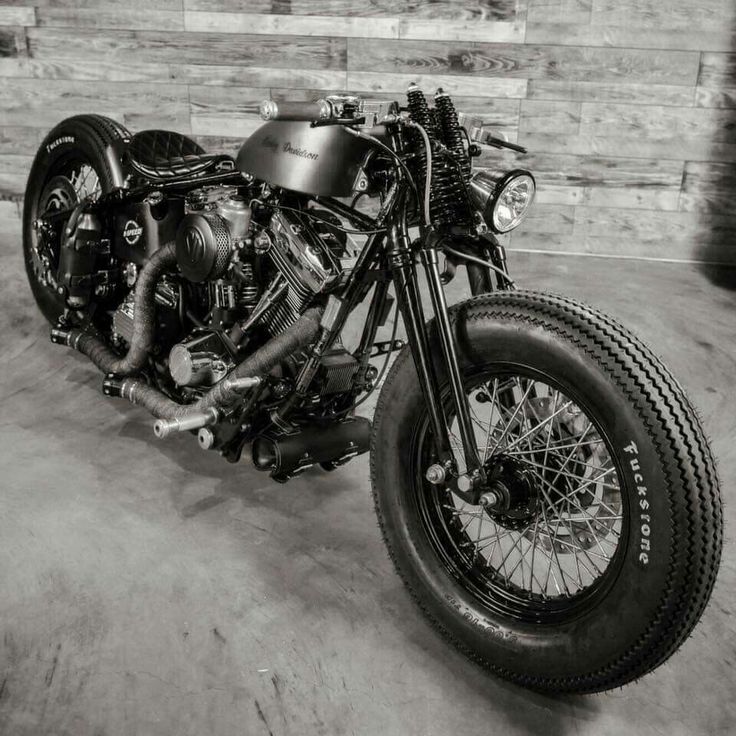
(503, 199)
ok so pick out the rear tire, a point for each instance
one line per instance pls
(668, 545)
(89, 141)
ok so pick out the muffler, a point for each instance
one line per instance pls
(287, 455)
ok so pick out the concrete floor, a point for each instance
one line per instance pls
(151, 588)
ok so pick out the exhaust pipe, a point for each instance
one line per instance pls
(244, 376)
(290, 454)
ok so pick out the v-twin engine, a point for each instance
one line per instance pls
(305, 263)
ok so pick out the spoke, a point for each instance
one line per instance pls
(571, 453)
(566, 458)
(513, 416)
(588, 481)
(585, 521)
(490, 418)
(556, 557)
(511, 549)
(554, 447)
(537, 427)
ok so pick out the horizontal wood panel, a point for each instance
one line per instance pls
(527, 61)
(630, 36)
(614, 247)
(17, 16)
(654, 227)
(539, 116)
(465, 86)
(655, 14)
(602, 172)
(174, 5)
(717, 70)
(489, 31)
(643, 94)
(19, 140)
(436, 10)
(12, 42)
(568, 11)
(646, 198)
(657, 122)
(9, 213)
(725, 97)
(550, 219)
(708, 187)
(628, 107)
(43, 103)
(194, 48)
(13, 175)
(125, 17)
(290, 25)
(697, 149)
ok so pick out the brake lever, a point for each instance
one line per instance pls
(490, 140)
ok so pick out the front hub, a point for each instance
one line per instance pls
(516, 490)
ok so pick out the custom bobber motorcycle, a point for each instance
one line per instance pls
(542, 483)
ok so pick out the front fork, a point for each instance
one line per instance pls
(468, 485)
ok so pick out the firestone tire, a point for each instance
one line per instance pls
(669, 555)
(90, 139)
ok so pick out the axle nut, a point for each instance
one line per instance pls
(489, 500)
(435, 474)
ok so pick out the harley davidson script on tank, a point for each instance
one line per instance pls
(541, 481)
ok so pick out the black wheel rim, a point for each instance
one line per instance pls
(69, 180)
(561, 549)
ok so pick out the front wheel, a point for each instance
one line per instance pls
(602, 552)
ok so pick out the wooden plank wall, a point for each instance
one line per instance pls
(628, 106)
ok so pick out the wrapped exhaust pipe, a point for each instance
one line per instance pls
(121, 381)
(144, 324)
(244, 376)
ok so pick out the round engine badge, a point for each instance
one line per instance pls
(132, 232)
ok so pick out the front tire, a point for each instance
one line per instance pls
(645, 521)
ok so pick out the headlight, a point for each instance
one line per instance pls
(503, 199)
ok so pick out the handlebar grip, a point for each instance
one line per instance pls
(302, 111)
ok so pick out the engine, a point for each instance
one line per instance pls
(246, 271)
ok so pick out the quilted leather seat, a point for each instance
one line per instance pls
(163, 154)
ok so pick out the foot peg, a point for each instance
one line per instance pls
(162, 428)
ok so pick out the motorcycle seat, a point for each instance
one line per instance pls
(166, 155)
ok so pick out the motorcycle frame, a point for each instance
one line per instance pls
(394, 248)
(389, 256)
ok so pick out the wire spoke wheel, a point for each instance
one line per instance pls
(75, 163)
(595, 544)
(559, 535)
(69, 183)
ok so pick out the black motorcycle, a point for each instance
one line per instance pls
(542, 483)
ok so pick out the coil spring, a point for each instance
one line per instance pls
(249, 291)
(448, 201)
(450, 130)
(420, 112)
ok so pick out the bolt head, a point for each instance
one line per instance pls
(464, 483)
(435, 474)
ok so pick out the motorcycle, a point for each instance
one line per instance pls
(542, 483)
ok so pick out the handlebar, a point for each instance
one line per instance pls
(300, 111)
(341, 110)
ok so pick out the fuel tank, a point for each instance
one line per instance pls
(324, 161)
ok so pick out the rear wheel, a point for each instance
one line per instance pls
(600, 549)
(77, 160)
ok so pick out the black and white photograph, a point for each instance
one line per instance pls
(367, 367)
